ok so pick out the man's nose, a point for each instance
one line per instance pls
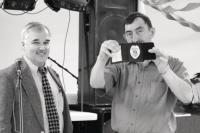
(43, 47)
(136, 40)
(135, 37)
(139, 41)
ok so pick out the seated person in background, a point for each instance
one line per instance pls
(196, 88)
(144, 93)
(196, 91)
(43, 100)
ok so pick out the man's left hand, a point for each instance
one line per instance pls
(161, 60)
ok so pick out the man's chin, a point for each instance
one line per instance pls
(41, 62)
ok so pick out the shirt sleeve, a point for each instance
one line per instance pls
(111, 73)
(6, 102)
(177, 67)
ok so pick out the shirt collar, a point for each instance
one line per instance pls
(33, 67)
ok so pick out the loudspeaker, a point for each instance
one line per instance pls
(102, 20)
(24, 5)
(110, 15)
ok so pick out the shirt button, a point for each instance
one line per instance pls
(136, 96)
(138, 82)
(132, 124)
(134, 110)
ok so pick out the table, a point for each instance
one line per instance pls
(82, 116)
(178, 114)
(187, 123)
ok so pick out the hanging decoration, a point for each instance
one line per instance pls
(169, 12)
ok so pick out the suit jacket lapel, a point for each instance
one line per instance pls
(31, 90)
(68, 128)
(55, 78)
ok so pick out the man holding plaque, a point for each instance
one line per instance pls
(144, 90)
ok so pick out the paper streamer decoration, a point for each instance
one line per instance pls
(169, 12)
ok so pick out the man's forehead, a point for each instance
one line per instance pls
(38, 30)
(36, 33)
(138, 22)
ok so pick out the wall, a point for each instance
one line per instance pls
(175, 39)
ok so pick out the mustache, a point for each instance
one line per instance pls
(139, 41)
(42, 52)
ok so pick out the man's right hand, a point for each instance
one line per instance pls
(108, 47)
(97, 74)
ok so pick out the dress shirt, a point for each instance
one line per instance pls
(58, 98)
(142, 101)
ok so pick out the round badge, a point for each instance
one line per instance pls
(135, 51)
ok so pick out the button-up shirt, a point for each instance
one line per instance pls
(142, 101)
(58, 98)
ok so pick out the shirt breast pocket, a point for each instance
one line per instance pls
(157, 91)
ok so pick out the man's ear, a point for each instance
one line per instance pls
(153, 30)
(124, 37)
(23, 43)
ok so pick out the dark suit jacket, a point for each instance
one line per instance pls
(32, 109)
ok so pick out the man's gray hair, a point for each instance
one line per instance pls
(39, 26)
